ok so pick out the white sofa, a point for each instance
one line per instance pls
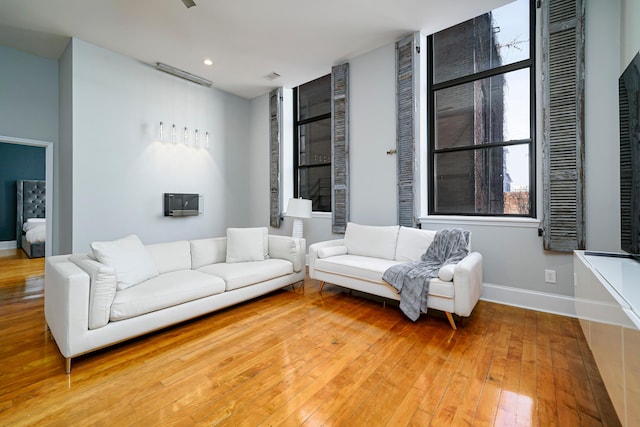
(123, 289)
(360, 259)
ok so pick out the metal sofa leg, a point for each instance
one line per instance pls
(451, 322)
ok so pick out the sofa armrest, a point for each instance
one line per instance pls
(313, 253)
(102, 290)
(467, 282)
(66, 303)
(289, 248)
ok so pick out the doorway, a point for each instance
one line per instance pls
(48, 146)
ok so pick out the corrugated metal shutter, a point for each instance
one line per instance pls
(405, 130)
(563, 117)
(340, 147)
(275, 133)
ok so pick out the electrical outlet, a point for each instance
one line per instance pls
(550, 276)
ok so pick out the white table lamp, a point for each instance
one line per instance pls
(298, 209)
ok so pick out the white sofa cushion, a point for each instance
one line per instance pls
(102, 289)
(357, 266)
(412, 243)
(240, 274)
(247, 244)
(208, 251)
(128, 257)
(328, 251)
(372, 241)
(439, 288)
(164, 291)
(171, 256)
(371, 270)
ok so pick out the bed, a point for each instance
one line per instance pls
(30, 218)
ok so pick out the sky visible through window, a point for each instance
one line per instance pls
(511, 23)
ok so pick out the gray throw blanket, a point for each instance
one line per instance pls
(411, 279)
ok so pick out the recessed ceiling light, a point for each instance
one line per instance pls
(207, 62)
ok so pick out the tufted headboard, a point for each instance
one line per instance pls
(31, 202)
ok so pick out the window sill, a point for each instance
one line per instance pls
(481, 220)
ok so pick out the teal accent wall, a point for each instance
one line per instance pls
(16, 162)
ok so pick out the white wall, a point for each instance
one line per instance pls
(602, 149)
(512, 250)
(372, 121)
(234, 141)
(121, 170)
(29, 106)
(372, 132)
(28, 96)
(63, 156)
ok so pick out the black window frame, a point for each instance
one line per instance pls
(432, 88)
(297, 123)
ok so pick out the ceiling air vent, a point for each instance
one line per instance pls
(272, 76)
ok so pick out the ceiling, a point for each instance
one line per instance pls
(245, 39)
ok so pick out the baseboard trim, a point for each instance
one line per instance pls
(11, 244)
(532, 300)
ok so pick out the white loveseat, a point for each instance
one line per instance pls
(360, 259)
(122, 289)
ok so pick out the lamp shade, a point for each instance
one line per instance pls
(299, 208)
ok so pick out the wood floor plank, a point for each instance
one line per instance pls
(468, 404)
(405, 411)
(420, 418)
(488, 403)
(545, 382)
(297, 357)
(342, 411)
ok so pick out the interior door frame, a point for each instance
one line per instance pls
(48, 145)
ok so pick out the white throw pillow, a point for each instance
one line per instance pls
(412, 243)
(446, 272)
(246, 244)
(372, 241)
(129, 258)
(332, 251)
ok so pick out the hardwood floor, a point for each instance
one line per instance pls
(294, 358)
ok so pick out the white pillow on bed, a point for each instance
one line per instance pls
(129, 258)
(30, 225)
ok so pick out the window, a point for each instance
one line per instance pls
(312, 142)
(482, 98)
